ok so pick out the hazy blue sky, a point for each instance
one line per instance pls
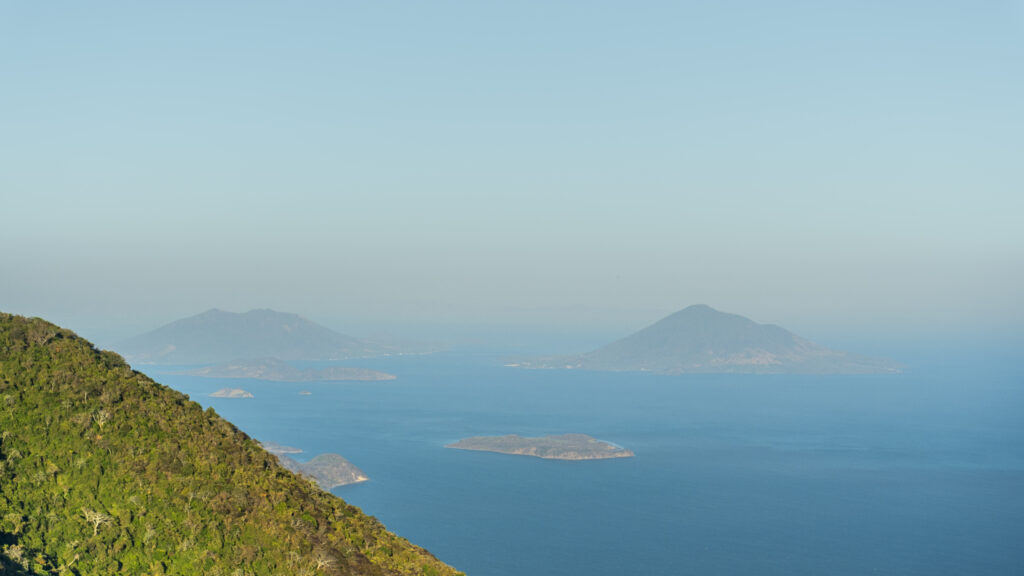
(585, 164)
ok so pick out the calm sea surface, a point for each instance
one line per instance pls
(917, 473)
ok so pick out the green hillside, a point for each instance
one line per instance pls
(103, 471)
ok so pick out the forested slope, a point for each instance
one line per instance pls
(103, 471)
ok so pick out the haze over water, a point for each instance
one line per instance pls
(469, 168)
(538, 177)
(917, 473)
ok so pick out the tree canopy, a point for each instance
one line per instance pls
(104, 471)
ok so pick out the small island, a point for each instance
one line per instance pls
(328, 470)
(231, 393)
(559, 447)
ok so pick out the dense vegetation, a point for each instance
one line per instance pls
(103, 471)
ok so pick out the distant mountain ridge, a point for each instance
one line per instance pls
(220, 336)
(700, 339)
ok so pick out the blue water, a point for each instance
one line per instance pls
(917, 473)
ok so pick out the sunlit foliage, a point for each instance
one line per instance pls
(103, 471)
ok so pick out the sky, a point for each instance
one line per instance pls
(585, 167)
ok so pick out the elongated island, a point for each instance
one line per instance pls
(557, 447)
(231, 393)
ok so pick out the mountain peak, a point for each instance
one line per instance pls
(694, 308)
(703, 311)
(268, 312)
(701, 339)
(252, 312)
(219, 336)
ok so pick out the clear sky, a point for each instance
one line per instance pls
(843, 165)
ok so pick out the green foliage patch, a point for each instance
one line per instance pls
(104, 471)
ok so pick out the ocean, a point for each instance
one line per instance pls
(915, 473)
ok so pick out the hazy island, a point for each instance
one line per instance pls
(329, 470)
(220, 336)
(231, 393)
(700, 339)
(276, 370)
(559, 447)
